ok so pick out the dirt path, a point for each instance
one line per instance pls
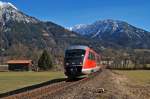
(107, 85)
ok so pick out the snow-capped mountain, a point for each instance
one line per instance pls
(79, 27)
(118, 32)
(21, 35)
(6, 4)
(9, 12)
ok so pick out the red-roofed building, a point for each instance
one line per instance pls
(20, 65)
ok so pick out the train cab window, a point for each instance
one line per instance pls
(76, 53)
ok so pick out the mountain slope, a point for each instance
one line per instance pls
(115, 31)
(23, 36)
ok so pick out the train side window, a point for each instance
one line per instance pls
(98, 59)
(91, 56)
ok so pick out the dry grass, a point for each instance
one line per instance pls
(141, 77)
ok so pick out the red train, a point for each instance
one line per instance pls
(80, 60)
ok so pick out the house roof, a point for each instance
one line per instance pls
(19, 61)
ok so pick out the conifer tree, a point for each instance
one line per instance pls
(45, 61)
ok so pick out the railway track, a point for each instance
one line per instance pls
(48, 91)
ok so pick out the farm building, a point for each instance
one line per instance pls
(20, 65)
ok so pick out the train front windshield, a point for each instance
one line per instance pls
(74, 57)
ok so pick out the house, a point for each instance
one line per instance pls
(20, 65)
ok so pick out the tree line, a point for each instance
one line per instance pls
(123, 60)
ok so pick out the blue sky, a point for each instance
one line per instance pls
(71, 12)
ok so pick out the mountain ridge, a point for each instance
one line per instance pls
(116, 31)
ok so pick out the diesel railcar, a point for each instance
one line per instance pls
(81, 60)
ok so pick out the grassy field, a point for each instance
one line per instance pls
(141, 77)
(14, 80)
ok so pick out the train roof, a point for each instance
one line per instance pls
(77, 47)
(83, 47)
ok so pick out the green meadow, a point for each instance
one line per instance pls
(13, 80)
